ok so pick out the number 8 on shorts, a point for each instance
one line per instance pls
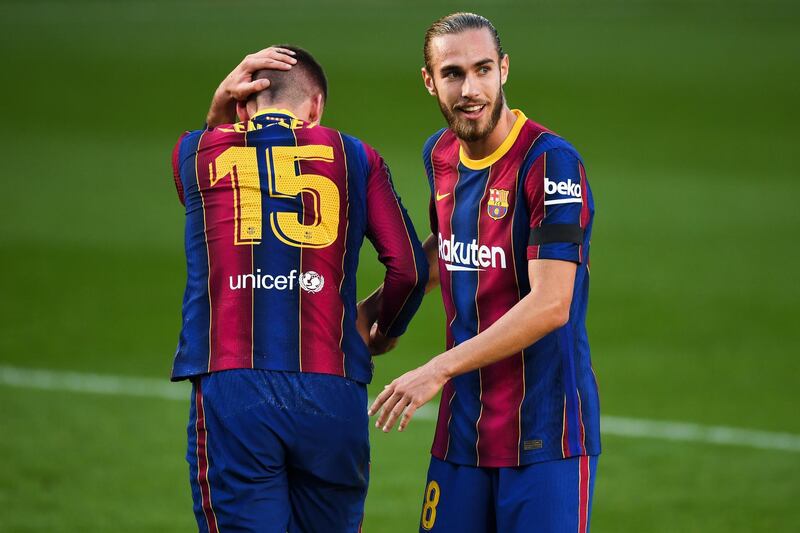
(432, 494)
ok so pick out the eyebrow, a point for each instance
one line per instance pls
(450, 68)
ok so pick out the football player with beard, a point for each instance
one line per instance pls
(517, 439)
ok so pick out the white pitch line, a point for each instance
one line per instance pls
(610, 425)
(57, 380)
(689, 432)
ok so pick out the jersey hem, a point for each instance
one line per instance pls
(524, 459)
(181, 374)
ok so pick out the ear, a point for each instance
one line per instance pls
(504, 69)
(427, 79)
(241, 110)
(317, 107)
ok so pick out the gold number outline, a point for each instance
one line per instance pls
(285, 182)
(432, 494)
(241, 164)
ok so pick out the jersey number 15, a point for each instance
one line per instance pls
(241, 164)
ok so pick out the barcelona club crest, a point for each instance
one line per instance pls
(498, 203)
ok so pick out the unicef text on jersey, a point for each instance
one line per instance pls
(308, 281)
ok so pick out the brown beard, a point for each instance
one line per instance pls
(468, 130)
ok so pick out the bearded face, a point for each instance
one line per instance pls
(473, 120)
(466, 73)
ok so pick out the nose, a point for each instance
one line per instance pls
(469, 89)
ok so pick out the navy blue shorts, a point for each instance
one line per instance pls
(548, 497)
(278, 451)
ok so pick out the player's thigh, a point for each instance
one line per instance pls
(236, 458)
(457, 499)
(549, 497)
(328, 459)
(319, 506)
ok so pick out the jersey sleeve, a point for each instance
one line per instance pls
(391, 232)
(554, 189)
(176, 167)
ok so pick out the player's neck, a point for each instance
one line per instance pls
(277, 107)
(484, 147)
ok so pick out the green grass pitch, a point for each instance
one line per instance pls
(685, 112)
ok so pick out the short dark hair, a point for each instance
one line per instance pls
(298, 83)
(457, 23)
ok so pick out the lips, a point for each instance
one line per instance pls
(471, 111)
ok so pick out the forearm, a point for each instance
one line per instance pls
(371, 305)
(532, 318)
(540, 312)
(401, 295)
(222, 110)
(529, 320)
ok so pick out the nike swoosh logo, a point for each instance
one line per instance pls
(442, 196)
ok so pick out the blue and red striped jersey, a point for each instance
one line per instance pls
(276, 212)
(528, 200)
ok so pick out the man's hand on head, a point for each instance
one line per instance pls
(239, 84)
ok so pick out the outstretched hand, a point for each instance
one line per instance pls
(239, 84)
(406, 394)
